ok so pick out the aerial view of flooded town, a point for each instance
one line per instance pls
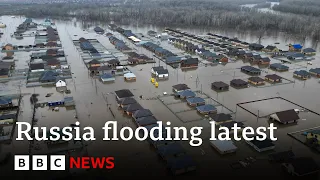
(55, 72)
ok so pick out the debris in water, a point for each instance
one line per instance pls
(164, 93)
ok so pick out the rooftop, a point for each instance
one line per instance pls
(180, 87)
(224, 145)
(123, 93)
(221, 117)
(145, 121)
(219, 84)
(142, 113)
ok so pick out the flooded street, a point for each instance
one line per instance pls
(92, 97)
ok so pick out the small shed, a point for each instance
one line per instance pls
(68, 101)
(285, 117)
(220, 118)
(279, 67)
(219, 86)
(315, 72)
(273, 78)
(224, 147)
(207, 109)
(180, 87)
(250, 70)
(130, 77)
(146, 121)
(257, 81)
(302, 74)
(186, 94)
(238, 83)
(196, 101)
(107, 77)
(261, 146)
(142, 113)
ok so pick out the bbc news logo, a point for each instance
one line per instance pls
(58, 162)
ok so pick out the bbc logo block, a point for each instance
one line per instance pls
(39, 162)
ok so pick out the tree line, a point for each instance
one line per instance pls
(191, 13)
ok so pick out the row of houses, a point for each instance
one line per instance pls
(249, 56)
(135, 58)
(182, 91)
(119, 44)
(157, 50)
(171, 152)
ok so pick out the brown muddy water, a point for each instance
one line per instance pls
(91, 98)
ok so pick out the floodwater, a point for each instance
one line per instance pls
(91, 98)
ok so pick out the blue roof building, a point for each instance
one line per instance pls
(302, 74)
(196, 101)
(297, 46)
(207, 109)
(315, 72)
(48, 76)
(186, 94)
(106, 77)
(5, 101)
(279, 67)
(171, 151)
(145, 121)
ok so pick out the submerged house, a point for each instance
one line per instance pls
(206, 109)
(181, 164)
(48, 77)
(219, 86)
(264, 61)
(142, 113)
(261, 146)
(285, 117)
(279, 67)
(220, 118)
(132, 108)
(189, 63)
(122, 94)
(173, 60)
(5, 102)
(185, 94)
(315, 72)
(256, 47)
(270, 48)
(130, 77)
(196, 101)
(179, 87)
(273, 78)
(107, 77)
(4, 73)
(302, 74)
(309, 51)
(250, 70)
(257, 81)
(146, 121)
(37, 67)
(60, 82)
(295, 47)
(98, 30)
(238, 83)
(126, 101)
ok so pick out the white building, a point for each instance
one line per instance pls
(60, 83)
